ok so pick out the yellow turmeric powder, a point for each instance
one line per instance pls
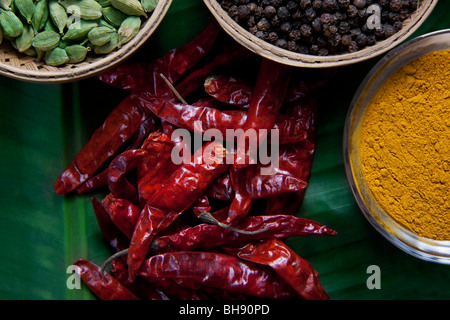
(405, 146)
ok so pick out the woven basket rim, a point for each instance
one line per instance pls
(272, 52)
(83, 70)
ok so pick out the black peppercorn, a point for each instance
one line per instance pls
(270, 12)
(310, 14)
(283, 13)
(292, 5)
(252, 6)
(306, 30)
(335, 40)
(272, 37)
(327, 18)
(251, 21)
(317, 4)
(343, 3)
(319, 27)
(292, 46)
(346, 39)
(317, 24)
(281, 43)
(344, 27)
(395, 5)
(263, 24)
(285, 27)
(359, 3)
(276, 3)
(305, 4)
(329, 5)
(243, 12)
(352, 11)
(295, 35)
(314, 49)
(353, 47)
(389, 31)
(361, 39)
(323, 52)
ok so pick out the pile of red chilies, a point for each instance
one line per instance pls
(197, 230)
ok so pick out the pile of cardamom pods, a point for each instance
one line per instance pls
(64, 31)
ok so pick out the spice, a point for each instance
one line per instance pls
(404, 150)
(159, 214)
(45, 28)
(321, 27)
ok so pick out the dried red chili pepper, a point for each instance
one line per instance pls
(290, 266)
(123, 213)
(207, 235)
(119, 167)
(101, 179)
(267, 98)
(116, 239)
(291, 128)
(140, 288)
(221, 189)
(229, 90)
(103, 285)
(228, 56)
(184, 187)
(202, 204)
(183, 115)
(176, 291)
(296, 159)
(118, 127)
(140, 76)
(192, 179)
(156, 167)
(217, 270)
(97, 181)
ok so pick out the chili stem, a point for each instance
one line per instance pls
(175, 92)
(208, 218)
(111, 259)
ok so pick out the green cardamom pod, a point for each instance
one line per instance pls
(79, 31)
(50, 27)
(31, 52)
(129, 7)
(113, 16)
(104, 3)
(11, 24)
(100, 35)
(128, 30)
(58, 15)
(112, 44)
(46, 40)
(63, 44)
(5, 5)
(85, 9)
(24, 41)
(76, 53)
(26, 8)
(56, 57)
(1, 35)
(40, 15)
(149, 5)
(103, 23)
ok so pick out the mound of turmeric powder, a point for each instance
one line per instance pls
(405, 146)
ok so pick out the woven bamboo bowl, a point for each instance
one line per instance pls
(287, 57)
(22, 67)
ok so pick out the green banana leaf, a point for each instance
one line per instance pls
(43, 126)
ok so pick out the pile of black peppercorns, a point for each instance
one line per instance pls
(319, 27)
